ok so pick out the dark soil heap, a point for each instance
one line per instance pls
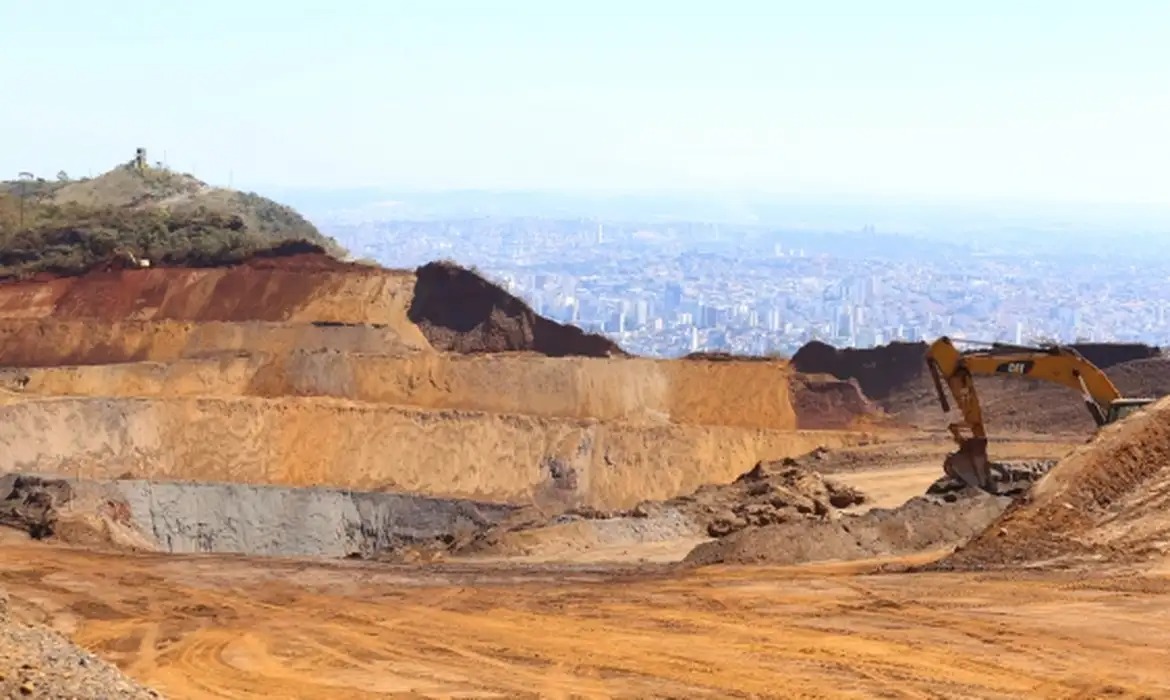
(895, 376)
(460, 311)
(880, 371)
(32, 504)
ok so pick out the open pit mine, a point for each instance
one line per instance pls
(299, 477)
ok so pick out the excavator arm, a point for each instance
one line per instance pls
(1061, 365)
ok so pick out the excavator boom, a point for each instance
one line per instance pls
(955, 370)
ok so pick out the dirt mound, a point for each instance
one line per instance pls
(1146, 377)
(33, 504)
(822, 402)
(1107, 501)
(1008, 478)
(1106, 355)
(880, 371)
(948, 514)
(770, 493)
(459, 311)
(923, 523)
(37, 662)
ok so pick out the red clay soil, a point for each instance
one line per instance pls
(459, 311)
(268, 286)
(822, 402)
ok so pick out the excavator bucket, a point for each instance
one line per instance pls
(970, 464)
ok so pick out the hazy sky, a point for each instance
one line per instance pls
(1060, 100)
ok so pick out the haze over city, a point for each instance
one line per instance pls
(1000, 174)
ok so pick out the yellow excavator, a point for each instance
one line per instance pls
(1055, 363)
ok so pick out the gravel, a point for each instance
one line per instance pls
(36, 662)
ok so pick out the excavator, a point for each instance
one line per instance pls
(1053, 363)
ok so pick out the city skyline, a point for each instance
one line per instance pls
(667, 289)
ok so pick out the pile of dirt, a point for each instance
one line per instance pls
(1106, 502)
(921, 524)
(36, 662)
(1008, 479)
(822, 402)
(1146, 377)
(880, 371)
(33, 504)
(771, 492)
(460, 311)
(948, 514)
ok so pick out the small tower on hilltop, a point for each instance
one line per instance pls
(140, 159)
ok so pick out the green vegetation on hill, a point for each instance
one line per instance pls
(68, 226)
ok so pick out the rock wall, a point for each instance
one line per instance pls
(281, 521)
(346, 444)
(635, 390)
(184, 516)
(53, 343)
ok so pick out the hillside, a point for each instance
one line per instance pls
(172, 219)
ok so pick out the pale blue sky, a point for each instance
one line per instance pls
(1058, 101)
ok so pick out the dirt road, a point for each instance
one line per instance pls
(224, 627)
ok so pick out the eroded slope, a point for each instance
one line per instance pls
(1109, 500)
(318, 441)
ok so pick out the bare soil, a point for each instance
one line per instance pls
(823, 402)
(460, 311)
(218, 626)
(1107, 501)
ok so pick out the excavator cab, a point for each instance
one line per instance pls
(1121, 408)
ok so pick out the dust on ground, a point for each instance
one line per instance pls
(216, 626)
